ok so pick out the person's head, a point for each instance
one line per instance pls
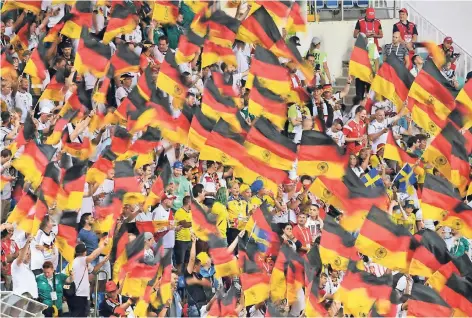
(307, 123)
(187, 172)
(245, 191)
(352, 160)
(46, 224)
(287, 229)
(25, 56)
(80, 250)
(163, 44)
(417, 60)
(48, 269)
(234, 189)
(59, 63)
(314, 211)
(178, 168)
(87, 219)
(5, 155)
(315, 42)
(6, 234)
(198, 191)
(310, 59)
(409, 207)
(468, 77)
(212, 166)
(380, 150)
(379, 115)
(67, 50)
(447, 43)
(403, 14)
(301, 219)
(360, 113)
(147, 170)
(323, 280)
(227, 68)
(187, 201)
(413, 142)
(387, 181)
(23, 84)
(396, 37)
(363, 153)
(441, 231)
(45, 114)
(423, 141)
(191, 98)
(148, 240)
(6, 87)
(6, 118)
(370, 14)
(204, 259)
(126, 80)
(306, 181)
(337, 125)
(168, 200)
(174, 278)
(222, 195)
(288, 185)
(111, 289)
(180, 18)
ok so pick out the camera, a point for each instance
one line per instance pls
(317, 67)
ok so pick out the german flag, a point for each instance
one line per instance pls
(302, 65)
(359, 290)
(149, 140)
(222, 29)
(337, 245)
(435, 52)
(146, 85)
(125, 180)
(319, 155)
(26, 134)
(224, 261)
(224, 145)
(81, 17)
(214, 53)
(200, 129)
(28, 5)
(170, 80)
(188, 47)
(199, 24)
(287, 277)
(72, 192)
(457, 293)
(36, 65)
(465, 96)
(127, 252)
(224, 84)
(132, 103)
(394, 152)
(24, 207)
(425, 302)
(55, 136)
(228, 303)
(295, 21)
(425, 117)
(79, 101)
(430, 254)
(108, 213)
(438, 198)
(138, 274)
(55, 89)
(159, 186)
(321, 188)
(81, 151)
(67, 235)
(125, 60)
(462, 119)
(20, 40)
(265, 143)
(266, 67)
(92, 56)
(50, 183)
(179, 134)
(165, 11)
(278, 10)
(384, 241)
(313, 306)
(359, 64)
(33, 161)
(265, 103)
(7, 66)
(216, 106)
(393, 81)
(203, 223)
(448, 154)
(164, 118)
(165, 288)
(432, 88)
(121, 141)
(30, 223)
(122, 21)
(198, 6)
(118, 254)
(460, 219)
(151, 226)
(54, 32)
(99, 170)
(100, 95)
(461, 266)
(263, 232)
(141, 118)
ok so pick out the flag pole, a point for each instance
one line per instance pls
(250, 234)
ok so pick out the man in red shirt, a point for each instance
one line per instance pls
(370, 26)
(355, 131)
(9, 254)
(302, 234)
(408, 32)
(448, 49)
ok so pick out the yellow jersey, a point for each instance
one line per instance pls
(182, 215)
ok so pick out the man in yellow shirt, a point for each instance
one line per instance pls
(183, 219)
(408, 220)
(237, 211)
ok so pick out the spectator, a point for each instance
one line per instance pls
(23, 99)
(448, 50)
(182, 187)
(22, 277)
(398, 49)
(379, 127)
(44, 248)
(336, 132)
(114, 304)
(88, 236)
(9, 129)
(407, 29)
(221, 212)
(370, 26)
(9, 252)
(321, 60)
(237, 212)
(125, 87)
(363, 87)
(289, 238)
(50, 289)
(417, 65)
(210, 182)
(355, 131)
(163, 213)
(460, 245)
(314, 222)
(174, 31)
(183, 219)
(161, 49)
(7, 179)
(302, 233)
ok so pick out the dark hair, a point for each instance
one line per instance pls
(356, 100)
(6, 153)
(186, 169)
(422, 137)
(337, 121)
(359, 109)
(59, 59)
(210, 163)
(224, 66)
(187, 199)
(283, 226)
(163, 38)
(48, 264)
(146, 166)
(197, 189)
(411, 141)
(44, 221)
(83, 218)
(309, 55)
(305, 177)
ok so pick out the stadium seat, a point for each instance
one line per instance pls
(320, 4)
(332, 4)
(348, 4)
(362, 3)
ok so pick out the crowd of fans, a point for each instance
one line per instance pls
(32, 265)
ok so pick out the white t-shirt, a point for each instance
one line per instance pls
(375, 127)
(161, 214)
(337, 136)
(50, 252)
(80, 269)
(23, 101)
(23, 279)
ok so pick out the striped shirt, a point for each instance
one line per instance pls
(399, 50)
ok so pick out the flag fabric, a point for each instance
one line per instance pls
(394, 152)
(21, 38)
(457, 293)
(459, 219)
(80, 17)
(107, 214)
(189, 45)
(55, 89)
(406, 179)
(7, 66)
(125, 60)
(51, 182)
(131, 252)
(465, 96)
(429, 255)
(314, 308)
(81, 151)
(126, 181)
(200, 129)
(179, 133)
(165, 11)
(224, 261)
(222, 29)
(224, 83)
(214, 53)
(438, 198)
(170, 80)
(61, 124)
(79, 101)
(152, 226)
(30, 223)
(120, 141)
(118, 250)
(54, 32)
(278, 10)
(359, 64)
(295, 21)
(26, 133)
(393, 81)
(459, 265)
(425, 117)
(337, 245)
(66, 237)
(92, 56)
(99, 170)
(319, 155)
(267, 144)
(24, 206)
(72, 192)
(262, 231)
(433, 89)
(435, 52)
(386, 243)
(372, 179)
(425, 302)
(28, 5)
(121, 21)
(159, 187)
(216, 106)
(149, 140)
(203, 223)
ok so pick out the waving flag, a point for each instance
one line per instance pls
(372, 179)
(337, 245)
(359, 64)
(406, 179)
(429, 255)
(425, 302)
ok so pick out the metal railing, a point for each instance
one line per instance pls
(95, 310)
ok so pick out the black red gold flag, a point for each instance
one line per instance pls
(319, 155)
(164, 118)
(36, 65)
(79, 101)
(425, 117)
(216, 106)
(92, 56)
(170, 80)
(425, 302)
(200, 129)
(295, 21)
(72, 191)
(54, 32)
(314, 307)
(302, 65)
(393, 81)
(279, 10)
(50, 183)
(55, 89)
(23, 207)
(214, 53)
(179, 133)
(222, 29)
(28, 5)
(457, 293)
(265, 103)
(465, 96)
(199, 24)
(25, 134)
(99, 170)
(81, 17)
(188, 47)
(118, 248)
(120, 141)
(22, 36)
(267, 144)
(107, 214)
(224, 261)
(203, 223)
(435, 52)
(81, 151)
(149, 140)
(126, 180)
(30, 223)
(337, 245)
(198, 6)
(159, 186)
(459, 219)
(433, 89)
(61, 124)
(124, 251)
(66, 238)
(359, 64)
(461, 266)
(8, 70)
(384, 241)
(100, 95)
(393, 151)
(224, 84)
(165, 11)
(125, 60)
(146, 85)
(121, 21)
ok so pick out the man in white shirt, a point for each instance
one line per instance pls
(124, 89)
(24, 282)
(378, 128)
(336, 132)
(23, 99)
(163, 213)
(161, 48)
(44, 120)
(242, 57)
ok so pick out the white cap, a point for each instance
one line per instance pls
(46, 103)
(315, 40)
(45, 110)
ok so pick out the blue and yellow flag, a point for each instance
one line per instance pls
(406, 179)
(372, 179)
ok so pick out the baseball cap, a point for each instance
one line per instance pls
(295, 40)
(370, 13)
(178, 165)
(80, 248)
(45, 110)
(448, 39)
(315, 40)
(126, 75)
(288, 181)
(256, 186)
(403, 10)
(110, 286)
(148, 236)
(168, 196)
(147, 43)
